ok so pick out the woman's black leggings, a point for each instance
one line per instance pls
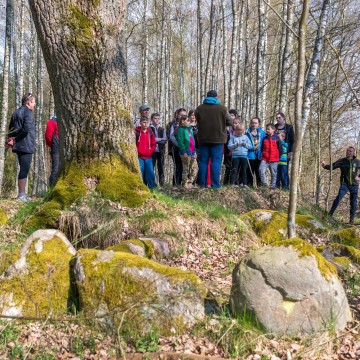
(24, 162)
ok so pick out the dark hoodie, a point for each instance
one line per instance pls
(145, 142)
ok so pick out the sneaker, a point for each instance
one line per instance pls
(23, 198)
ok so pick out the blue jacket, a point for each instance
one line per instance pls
(256, 154)
(241, 150)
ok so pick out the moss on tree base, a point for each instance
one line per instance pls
(110, 177)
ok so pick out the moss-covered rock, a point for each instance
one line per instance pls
(285, 288)
(139, 294)
(38, 282)
(134, 246)
(350, 252)
(3, 217)
(271, 225)
(349, 237)
(305, 249)
(342, 261)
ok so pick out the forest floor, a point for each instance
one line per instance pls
(212, 259)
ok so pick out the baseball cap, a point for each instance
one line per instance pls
(144, 107)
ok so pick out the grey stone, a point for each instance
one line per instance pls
(287, 293)
(161, 248)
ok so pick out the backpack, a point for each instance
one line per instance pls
(137, 133)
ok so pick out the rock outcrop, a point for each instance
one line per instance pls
(36, 281)
(291, 289)
(140, 295)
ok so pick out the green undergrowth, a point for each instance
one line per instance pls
(236, 336)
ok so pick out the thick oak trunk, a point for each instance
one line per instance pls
(83, 50)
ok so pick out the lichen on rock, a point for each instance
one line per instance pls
(271, 225)
(137, 292)
(37, 283)
(348, 237)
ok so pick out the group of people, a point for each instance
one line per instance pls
(198, 142)
(201, 140)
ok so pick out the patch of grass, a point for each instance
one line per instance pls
(148, 343)
(24, 212)
(237, 337)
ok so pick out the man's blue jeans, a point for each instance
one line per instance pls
(213, 152)
(344, 188)
(147, 172)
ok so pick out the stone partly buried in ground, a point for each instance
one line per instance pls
(36, 281)
(271, 225)
(137, 294)
(150, 248)
(291, 289)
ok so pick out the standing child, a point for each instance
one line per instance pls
(146, 145)
(239, 144)
(186, 143)
(271, 152)
(282, 171)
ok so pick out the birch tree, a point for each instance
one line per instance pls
(5, 87)
(233, 56)
(294, 181)
(314, 66)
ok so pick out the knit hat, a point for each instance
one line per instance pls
(211, 93)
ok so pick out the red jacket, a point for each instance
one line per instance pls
(145, 142)
(51, 129)
(271, 149)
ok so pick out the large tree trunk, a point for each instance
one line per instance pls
(84, 54)
(298, 120)
(5, 88)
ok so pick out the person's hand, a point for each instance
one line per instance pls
(185, 156)
(243, 144)
(10, 142)
(322, 163)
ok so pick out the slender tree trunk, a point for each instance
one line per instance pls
(246, 73)
(39, 183)
(260, 60)
(294, 181)
(210, 51)
(285, 61)
(312, 74)
(5, 88)
(145, 57)
(224, 52)
(200, 49)
(240, 57)
(233, 56)
(19, 54)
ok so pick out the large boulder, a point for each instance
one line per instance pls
(271, 225)
(291, 289)
(140, 295)
(36, 281)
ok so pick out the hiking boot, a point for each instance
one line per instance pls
(23, 197)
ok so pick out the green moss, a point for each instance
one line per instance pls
(6, 259)
(343, 261)
(350, 237)
(128, 295)
(45, 287)
(346, 250)
(147, 245)
(3, 217)
(275, 227)
(45, 217)
(305, 249)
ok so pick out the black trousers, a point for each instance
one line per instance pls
(55, 161)
(227, 164)
(239, 165)
(254, 169)
(158, 159)
(178, 168)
